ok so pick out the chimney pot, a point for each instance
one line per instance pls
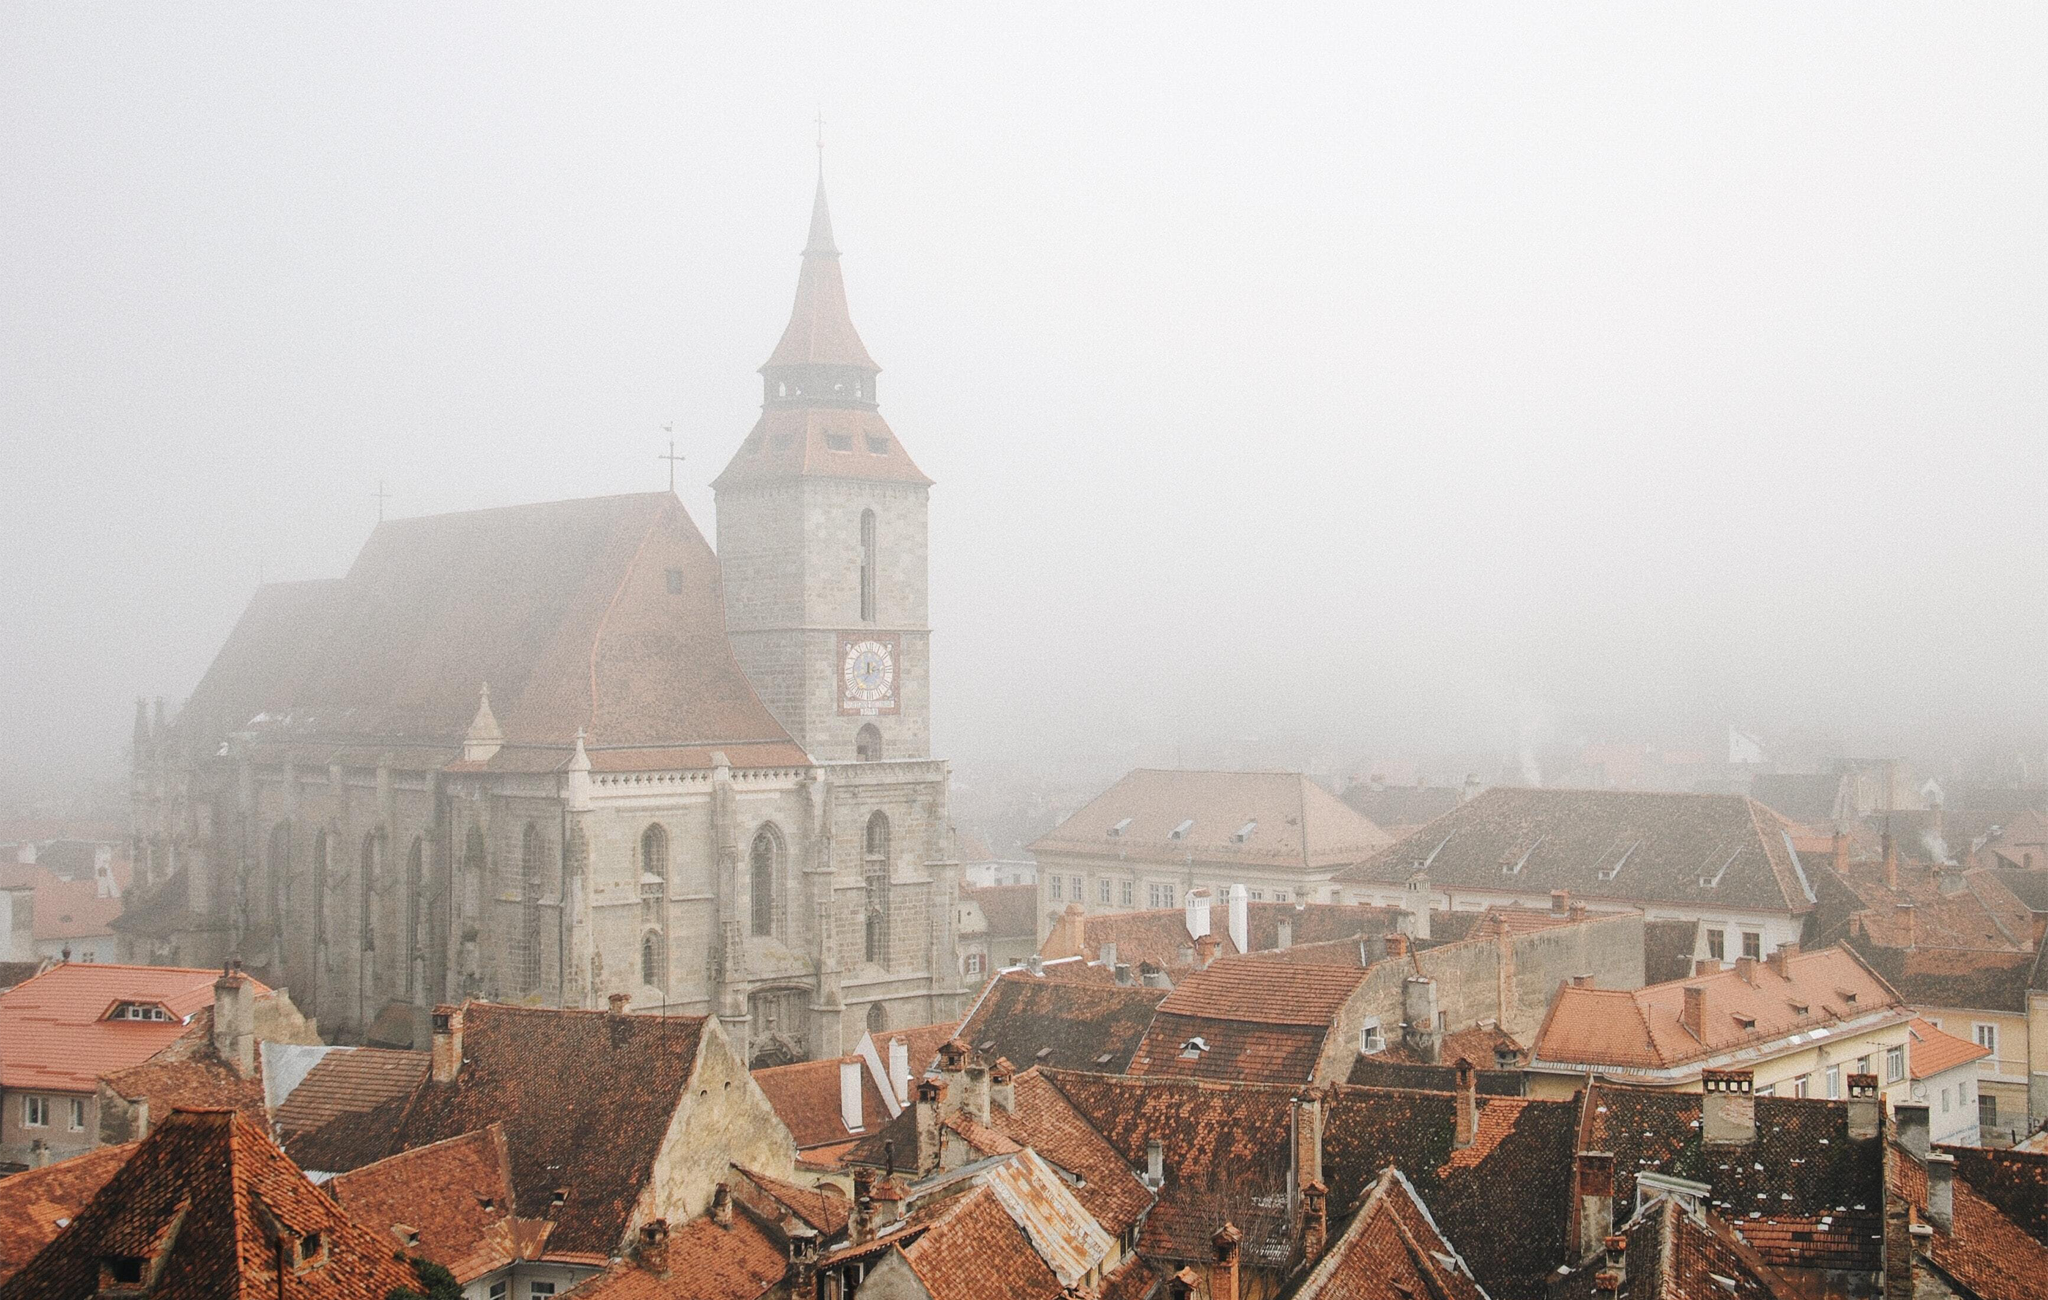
(1596, 1200)
(1728, 1107)
(1285, 938)
(1911, 1119)
(618, 1002)
(446, 1057)
(1123, 973)
(1223, 1272)
(1205, 951)
(850, 1096)
(721, 1206)
(1397, 944)
(1468, 1103)
(1155, 1164)
(1693, 1015)
(234, 1020)
(1781, 959)
(1941, 1190)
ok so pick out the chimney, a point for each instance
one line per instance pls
(234, 1020)
(1153, 978)
(860, 1225)
(1705, 966)
(1223, 1272)
(1123, 974)
(104, 884)
(1617, 1258)
(654, 1247)
(1891, 857)
(1315, 1220)
(1728, 1107)
(1905, 913)
(1781, 959)
(1841, 847)
(1864, 1106)
(1910, 1119)
(1594, 1174)
(447, 1047)
(1898, 1250)
(1745, 970)
(929, 1092)
(721, 1206)
(1205, 950)
(849, 1096)
(1183, 1285)
(1692, 1017)
(618, 1002)
(974, 1093)
(1396, 943)
(1418, 1014)
(1415, 902)
(802, 1273)
(1582, 981)
(1069, 935)
(1035, 964)
(1240, 918)
(1307, 1155)
(1285, 940)
(1941, 1190)
(1949, 880)
(1560, 901)
(1002, 1085)
(1155, 1164)
(1468, 1104)
(1577, 912)
(1106, 955)
(899, 1069)
(1197, 913)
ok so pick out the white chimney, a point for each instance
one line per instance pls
(1198, 913)
(849, 1095)
(899, 1070)
(103, 872)
(1240, 918)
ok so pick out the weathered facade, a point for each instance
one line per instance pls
(514, 754)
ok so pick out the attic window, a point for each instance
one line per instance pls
(1044, 1054)
(312, 1247)
(1746, 1022)
(1370, 1039)
(1609, 873)
(1244, 832)
(1180, 832)
(839, 442)
(1845, 995)
(1515, 868)
(138, 1011)
(988, 1046)
(408, 1236)
(1193, 1048)
(556, 1197)
(1122, 825)
(1105, 1058)
(124, 1270)
(675, 582)
(1713, 881)
(1801, 1009)
(878, 445)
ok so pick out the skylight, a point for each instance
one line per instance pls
(1244, 832)
(1121, 826)
(1180, 832)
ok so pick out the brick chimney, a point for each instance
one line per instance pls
(1745, 970)
(974, 1091)
(1781, 959)
(1728, 1107)
(1418, 1014)
(1002, 1085)
(1941, 1190)
(654, 1247)
(234, 1020)
(1205, 950)
(1841, 847)
(1593, 1171)
(1467, 1080)
(1891, 857)
(1577, 912)
(1307, 1154)
(618, 1002)
(1898, 1249)
(1560, 901)
(721, 1206)
(446, 1060)
(929, 1093)
(860, 1224)
(1616, 1263)
(1223, 1271)
(802, 1272)
(1705, 966)
(1315, 1220)
(1069, 934)
(1865, 1106)
(1693, 1015)
(1396, 944)
(1910, 1119)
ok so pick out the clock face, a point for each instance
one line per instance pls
(867, 674)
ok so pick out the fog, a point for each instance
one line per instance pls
(1301, 386)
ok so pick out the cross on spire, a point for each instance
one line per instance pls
(382, 496)
(671, 457)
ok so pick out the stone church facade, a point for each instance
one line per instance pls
(561, 752)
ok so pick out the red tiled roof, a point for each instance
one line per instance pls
(976, 1251)
(197, 1201)
(1292, 820)
(1935, 1050)
(1067, 1024)
(53, 1033)
(36, 1204)
(1273, 993)
(1391, 1250)
(1048, 1123)
(454, 1197)
(825, 1209)
(1977, 910)
(1982, 1248)
(348, 1081)
(921, 1042)
(805, 1096)
(707, 1260)
(820, 329)
(1199, 1047)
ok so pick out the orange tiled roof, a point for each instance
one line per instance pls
(1753, 1004)
(1982, 1248)
(1977, 910)
(347, 1081)
(454, 1197)
(1056, 1022)
(1391, 1250)
(825, 1208)
(1255, 818)
(976, 1251)
(36, 1204)
(1047, 1122)
(196, 1203)
(707, 1260)
(53, 1031)
(805, 1096)
(1935, 1050)
(1274, 993)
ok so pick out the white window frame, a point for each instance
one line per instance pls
(78, 1114)
(35, 1111)
(539, 1290)
(1799, 1085)
(1894, 1064)
(1834, 1083)
(1080, 890)
(1986, 1035)
(1058, 886)
(1102, 891)
(1370, 1039)
(500, 1289)
(1717, 937)
(1130, 893)
(1747, 936)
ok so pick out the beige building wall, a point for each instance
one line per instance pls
(1777, 1067)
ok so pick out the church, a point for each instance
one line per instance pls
(561, 753)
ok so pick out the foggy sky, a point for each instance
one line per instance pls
(1383, 380)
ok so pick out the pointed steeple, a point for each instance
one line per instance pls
(485, 737)
(820, 359)
(820, 243)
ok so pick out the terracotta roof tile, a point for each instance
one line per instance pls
(1291, 820)
(454, 1197)
(1672, 1255)
(1264, 992)
(36, 1204)
(1390, 1250)
(977, 1251)
(54, 1030)
(825, 1209)
(1990, 1254)
(707, 1260)
(1935, 1051)
(1048, 1123)
(196, 1203)
(323, 1118)
(1068, 1025)
(805, 1096)
(1966, 979)
(1202, 1047)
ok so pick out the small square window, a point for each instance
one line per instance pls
(1057, 886)
(878, 445)
(539, 1290)
(1279, 895)
(1752, 945)
(839, 442)
(1717, 945)
(675, 582)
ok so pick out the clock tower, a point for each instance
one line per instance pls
(821, 538)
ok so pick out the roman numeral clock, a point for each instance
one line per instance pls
(867, 672)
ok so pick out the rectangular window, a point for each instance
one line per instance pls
(1799, 1085)
(1256, 896)
(1369, 1037)
(1768, 1090)
(974, 963)
(1279, 895)
(1987, 1038)
(1057, 884)
(1717, 945)
(1834, 1083)
(1863, 1065)
(35, 1112)
(1944, 1101)
(1752, 945)
(539, 1290)
(1130, 893)
(500, 1289)
(78, 1114)
(1894, 1064)
(1102, 891)
(1161, 895)
(1079, 894)
(1987, 1110)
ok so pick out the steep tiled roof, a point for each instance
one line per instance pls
(1810, 799)
(562, 608)
(1391, 1250)
(1074, 1025)
(2016, 1182)
(1618, 845)
(1966, 979)
(199, 1203)
(922, 1042)
(1291, 820)
(1949, 908)
(1203, 1047)
(824, 1209)
(36, 1204)
(1048, 1123)
(199, 1083)
(1982, 1248)
(1753, 1004)
(590, 1127)
(73, 909)
(1390, 806)
(1011, 910)
(54, 1032)
(707, 1260)
(339, 1113)
(449, 1202)
(1237, 988)
(791, 441)
(1804, 1193)
(976, 1251)
(805, 1096)
(1935, 1050)
(1673, 1255)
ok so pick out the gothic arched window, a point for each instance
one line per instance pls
(415, 886)
(320, 853)
(654, 851)
(867, 743)
(533, 852)
(472, 876)
(366, 916)
(875, 870)
(764, 862)
(277, 882)
(868, 564)
(878, 1019)
(650, 958)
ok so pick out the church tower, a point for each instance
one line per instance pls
(821, 538)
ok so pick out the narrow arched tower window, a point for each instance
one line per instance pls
(472, 876)
(532, 866)
(764, 862)
(868, 566)
(366, 918)
(277, 890)
(415, 888)
(875, 868)
(867, 743)
(650, 959)
(654, 852)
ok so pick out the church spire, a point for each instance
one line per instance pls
(820, 359)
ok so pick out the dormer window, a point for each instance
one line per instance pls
(1515, 868)
(1745, 1022)
(1244, 832)
(1192, 1049)
(122, 1270)
(312, 1248)
(839, 442)
(878, 445)
(1180, 832)
(1801, 1009)
(1123, 824)
(138, 1011)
